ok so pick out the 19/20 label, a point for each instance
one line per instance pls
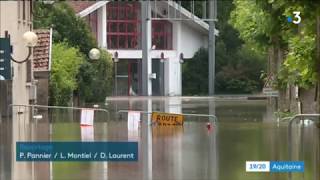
(257, 166)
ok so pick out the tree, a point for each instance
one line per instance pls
(236, 73)
(94, 79)
(238, 67)
(95, 83)
(293, 50)
(66, 25)
(291, 47)
(242, 73)
(195, 79)
(66, 62)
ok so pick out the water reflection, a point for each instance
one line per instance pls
(246, 131)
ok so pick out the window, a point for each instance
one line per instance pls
(30, 10)
(23, 10)
(123, 25)
(162, 34)
(92, 22)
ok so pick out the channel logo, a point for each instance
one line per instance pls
(275, 166)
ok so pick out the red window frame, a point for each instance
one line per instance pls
(123, 25)
(162, 34)
(92, 20)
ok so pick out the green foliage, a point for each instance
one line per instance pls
(195, 78)
(66, 62)
(300, 67)
(242, 73)
(96, 80)
(268, 19)
(66, 25)
(238, 67)
(284, 115)
(236, 73)
(251, 21)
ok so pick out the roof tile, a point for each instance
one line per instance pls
(41, 50)
(79, 6)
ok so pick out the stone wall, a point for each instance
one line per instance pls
(42, 87)
(5, 97)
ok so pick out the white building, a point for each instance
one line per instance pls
(117, 27)
(15, 20)
(16, 24)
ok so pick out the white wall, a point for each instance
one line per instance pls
(172, 66)
(188, 37)
(186, 40)
(10, 21)
(191, 40)
(102, 26)
(137, 54)
(16, 29)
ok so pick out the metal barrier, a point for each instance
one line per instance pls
(212, 118)
(212, 173)
(56, 107)
(301, 117)
(35, 118)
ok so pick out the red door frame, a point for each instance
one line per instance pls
(138, 63)
(129, 76)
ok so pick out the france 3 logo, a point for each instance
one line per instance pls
(296, 19)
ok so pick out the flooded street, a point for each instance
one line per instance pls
(247, 130)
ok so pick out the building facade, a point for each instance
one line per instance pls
(117, 27)
(15, 20)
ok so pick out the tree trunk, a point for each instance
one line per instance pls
(283, 102)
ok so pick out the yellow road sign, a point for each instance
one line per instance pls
(159, 132)
(167, 119)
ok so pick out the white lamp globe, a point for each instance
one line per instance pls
(30, 38)
(94, 54)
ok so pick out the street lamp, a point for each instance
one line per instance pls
(181, 61)
(162, 57)
(94, 54)
(6, 49)
(115, 60)
(30, 38)
(181, 58)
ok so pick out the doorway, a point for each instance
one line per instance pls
(158, 83)
(128, 77)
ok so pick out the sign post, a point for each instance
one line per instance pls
(270, 92)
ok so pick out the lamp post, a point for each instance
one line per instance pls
(181, 58)
(162, 57)
(115, 60)
(31, 39)
(94, 54)
(181, 61)
(6, 49)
